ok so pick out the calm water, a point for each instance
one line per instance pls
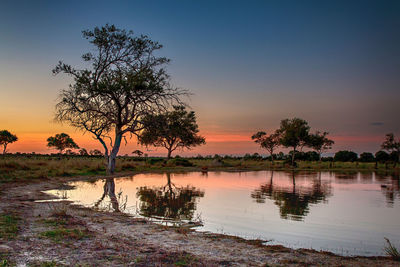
(348, 214)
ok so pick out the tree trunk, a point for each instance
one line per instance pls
(294, 152)
(169, 153)
(109, 189)
(4, 149)
(272, 157)
(113, 154)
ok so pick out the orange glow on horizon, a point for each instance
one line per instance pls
(217, 143)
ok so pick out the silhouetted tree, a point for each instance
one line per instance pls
(61, 142)
(268, 142)
(95, 152)
(125, 82)
(176, 129)
(345, 155)
(319, 142)
(367, 157)
(137, 152)
(391, 145)
(83, 152)
(381, 156)
(7, 138)
(293, 132)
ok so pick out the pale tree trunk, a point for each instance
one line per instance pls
(109, 190)
(113, 155)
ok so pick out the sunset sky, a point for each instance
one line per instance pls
(249, 64)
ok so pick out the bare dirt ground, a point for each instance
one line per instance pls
(62, 234)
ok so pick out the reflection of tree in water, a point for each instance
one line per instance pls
(346, 176)
(391, 190)
(116, 200)
(169, 201)
(293, 202)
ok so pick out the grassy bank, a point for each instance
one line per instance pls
(25, 168)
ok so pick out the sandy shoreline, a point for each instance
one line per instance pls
(93, 238)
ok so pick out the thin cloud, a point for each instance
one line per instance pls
(376, 123)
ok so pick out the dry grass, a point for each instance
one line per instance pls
(24, 168)
(391, 250)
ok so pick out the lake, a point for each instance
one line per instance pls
(345, 213)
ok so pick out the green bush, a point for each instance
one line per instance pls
(179, 162)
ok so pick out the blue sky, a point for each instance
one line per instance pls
(248, 63)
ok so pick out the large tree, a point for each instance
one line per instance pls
(124, 82)
(7, 138)
(61, 142)
(176, 129)
(293, 133)
(390, 144)
(319, 142)
(269, 142)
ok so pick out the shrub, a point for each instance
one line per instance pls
(153, 161)
(345, 155)
(367, 157)
(179, 162)
(381, 156)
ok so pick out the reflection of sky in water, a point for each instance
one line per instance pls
(342, 213)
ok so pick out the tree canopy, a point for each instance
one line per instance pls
(61, 142)
(390, 144)
(176, 129)
(125, 81)
(293, 133)
(7, 138)
(319, 142)
(267, 142)
(345, 155)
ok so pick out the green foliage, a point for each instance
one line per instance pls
(393, 146)
(254, 156)
(293, 133)
(305, 156)
(367, 157)
(124, 81)
(179, 162)
(268, 142)
(8, 226)
(7, 138)
(382, 156)
(319, 142)
(345, 156)
(169, 201)
(391, 250)
(4, 263)
(176, 129)
(62, 234)
(153, 161)
(61, 142)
